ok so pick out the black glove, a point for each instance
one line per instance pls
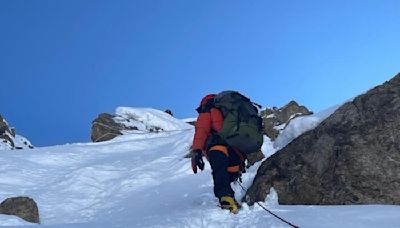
(197, 160)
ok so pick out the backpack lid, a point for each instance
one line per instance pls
(207, 98)
(206, 103)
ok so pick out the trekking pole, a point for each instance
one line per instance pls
(276, 216)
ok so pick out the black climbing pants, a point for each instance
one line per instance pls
(222, 178)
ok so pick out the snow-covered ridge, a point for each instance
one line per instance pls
(148, 118)
(127, 120)
(9, 140)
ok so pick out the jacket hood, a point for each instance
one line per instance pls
(207, 98)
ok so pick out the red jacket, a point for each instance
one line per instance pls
(210, 120)
(206, 123)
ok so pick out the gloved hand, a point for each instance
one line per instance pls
(197, 160)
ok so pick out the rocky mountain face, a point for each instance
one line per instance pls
(275, 119)
(352, 157)
(9, 140)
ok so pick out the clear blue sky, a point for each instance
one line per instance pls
(64, 62)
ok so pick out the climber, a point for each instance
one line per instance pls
(221, 140)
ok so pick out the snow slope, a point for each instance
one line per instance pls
(19, 142)
(142, 180)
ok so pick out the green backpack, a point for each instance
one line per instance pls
(242, 126)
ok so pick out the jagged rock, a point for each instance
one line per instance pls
(13, 132)
(3, 126)
(352, 157)
(291, 110)
(105, 128)
(276, 119)
(23, 207)
(9, 140)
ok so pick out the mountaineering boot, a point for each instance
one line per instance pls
(229, 203)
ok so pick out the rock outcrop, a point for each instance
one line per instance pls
(352, 157)
(105, 128)
(134, 120)
(23, 207)
(9, 140)
(275, 119)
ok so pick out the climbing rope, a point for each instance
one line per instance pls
(276, 216)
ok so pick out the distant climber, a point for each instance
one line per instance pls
(228, 127)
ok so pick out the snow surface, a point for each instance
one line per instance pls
(5, 145)
(299, 125)
(22, 142)
(6, 220)
(147, 118)
(19, 142)
(142, 180)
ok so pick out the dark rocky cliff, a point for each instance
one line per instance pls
(353, 157)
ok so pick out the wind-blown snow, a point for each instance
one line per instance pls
(144, 181)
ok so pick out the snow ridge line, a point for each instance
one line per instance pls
(133, 133)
